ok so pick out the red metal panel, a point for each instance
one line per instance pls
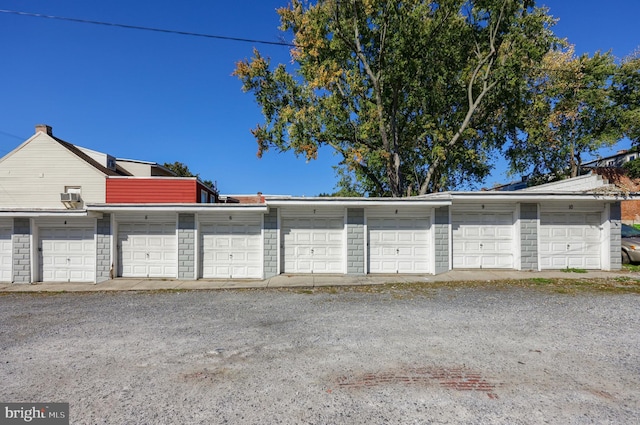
(151, 191)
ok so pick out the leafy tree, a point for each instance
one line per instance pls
(571, 112)
(626, 83)
(632, 168)
(413, 95)
(347, 185)
(182, 170)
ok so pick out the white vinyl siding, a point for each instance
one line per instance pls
(399, 244)
(483, 236)
(231, 248)
(314, 243)
(6, 250)
(34, 175)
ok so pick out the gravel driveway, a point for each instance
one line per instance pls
(473, 355)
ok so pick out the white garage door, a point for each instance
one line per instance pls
(399, 245)
(232, 249)
(5, 251)
(67, 254)
(147, 249)
(570, 240)
(483, 238)
(313, 244)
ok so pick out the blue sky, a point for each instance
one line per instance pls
(165, 98)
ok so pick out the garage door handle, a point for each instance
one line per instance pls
(397, 250)
(312, 250)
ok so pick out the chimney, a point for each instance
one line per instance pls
(44, 128)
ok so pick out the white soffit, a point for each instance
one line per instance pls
(221, 208)
(357, 202)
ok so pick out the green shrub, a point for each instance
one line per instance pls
(632, 168)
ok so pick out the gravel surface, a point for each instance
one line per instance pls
(472, 355)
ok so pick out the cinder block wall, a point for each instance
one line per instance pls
(528, 236)
(615, 235)
(441, 229)
(21, 250)
(103, 249)
(186, 246)
(270, 260)
(355, 241)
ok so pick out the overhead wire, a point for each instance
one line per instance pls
(143, 28)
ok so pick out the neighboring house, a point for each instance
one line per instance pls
(121, 227)
(611, 168)
(615, 161)
(47, 173)
(606, 180)
(628, 187)
(243, 199)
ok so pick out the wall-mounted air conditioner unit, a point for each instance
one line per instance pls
(70, 197)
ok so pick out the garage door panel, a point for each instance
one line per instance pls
(570, 240)
(483, 239)
(592, 262)
(232, 250)
(220, 243)
(466, 262)
(67, 254)
(147, 249)
(408, 238)
(471, 232)
(335, 237)
(475, 246)
(139, 270)
(399, 245)
(335, 253)
(313, 244)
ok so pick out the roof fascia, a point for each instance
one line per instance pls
(114, 208)
(152, 177)
(357, 202)
(50, 213)
(531, 196)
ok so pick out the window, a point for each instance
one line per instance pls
(204, 197)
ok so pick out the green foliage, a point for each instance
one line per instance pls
(632, 168)
(626, 83)
(182, 170)
(571, 111)
(413, 95)
(573, 270)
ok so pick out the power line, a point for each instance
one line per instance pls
(141, 28)
(6, 150)
(11, 135)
